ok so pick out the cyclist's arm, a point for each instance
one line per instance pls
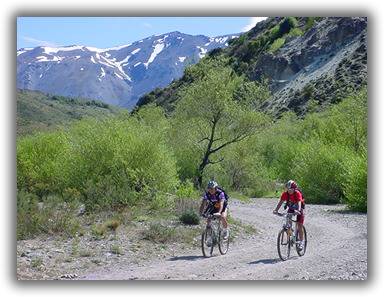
(202, 206)
(221, 206)
(278, 205)
(299, 206)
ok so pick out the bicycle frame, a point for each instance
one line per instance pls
(292, 236)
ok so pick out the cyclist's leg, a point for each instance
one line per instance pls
(224, 218)
(299, 226)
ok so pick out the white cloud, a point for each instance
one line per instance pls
(38, 42)
(252, 22)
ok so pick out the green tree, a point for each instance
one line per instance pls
(208, 107)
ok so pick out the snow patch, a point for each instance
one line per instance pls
(181, 59)
(93, 60)
(124, 62)
(158, 48)
(136, 51)
(119, 76)
(116, 48)
(81, 69)
(46, 59)
(221, 39)
(116, 65)
(102, 72)
(54, 50)
(202, 51)
(137, 64)
(20, 52)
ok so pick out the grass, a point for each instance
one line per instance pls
(36, 263)
(112, 224)
(116, 249)
(238, 196)
(278, 43)
(159, 233)
(37, 111)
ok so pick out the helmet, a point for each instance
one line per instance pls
(291, 185)
(212, 184)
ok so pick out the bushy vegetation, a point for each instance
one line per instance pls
(128, 161)
(41, 112)
(158, 161)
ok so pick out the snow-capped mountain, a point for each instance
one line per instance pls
(118, 75)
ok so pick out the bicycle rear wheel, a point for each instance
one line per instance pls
(283, 244)
(299, 251)
(207, 242)
(223, 243)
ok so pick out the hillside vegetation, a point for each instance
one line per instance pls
(37, 111)
(303, 60)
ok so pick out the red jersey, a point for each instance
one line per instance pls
(294, 198)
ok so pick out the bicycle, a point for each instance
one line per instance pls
(212, 235)
(288, 236)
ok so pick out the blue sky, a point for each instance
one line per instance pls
(104, 32)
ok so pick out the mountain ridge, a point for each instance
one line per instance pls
(117, 75)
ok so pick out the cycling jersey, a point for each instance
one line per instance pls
(218, 196)
(215, 199)
(294, 198)
(293, 203)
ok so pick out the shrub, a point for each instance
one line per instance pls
(278, 43)
(112, 224)
(98, 230)
(319, 173)
(186, 190)
(52, 216)
(295, 32)
(115, 249)
(355, 184)
(160, 234)
(190, 217)
(309, 23)
(41, 162)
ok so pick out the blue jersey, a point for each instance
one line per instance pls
(218, 196)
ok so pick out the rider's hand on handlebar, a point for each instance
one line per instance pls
(217, 214)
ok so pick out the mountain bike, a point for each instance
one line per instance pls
(213, 235)
(288, 237)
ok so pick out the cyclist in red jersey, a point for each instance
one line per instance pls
(294, 202)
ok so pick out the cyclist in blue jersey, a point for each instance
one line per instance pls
(218, 204)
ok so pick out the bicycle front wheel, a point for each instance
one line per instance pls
(207, 242)
(301, 250)
(223, 243)
(283, 244)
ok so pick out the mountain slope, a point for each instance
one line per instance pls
(118, 75)
(39, 112)
(306, 61)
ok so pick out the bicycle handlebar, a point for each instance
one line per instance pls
(287, 214)
(210, 216)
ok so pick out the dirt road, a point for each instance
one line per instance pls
(337, 249)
